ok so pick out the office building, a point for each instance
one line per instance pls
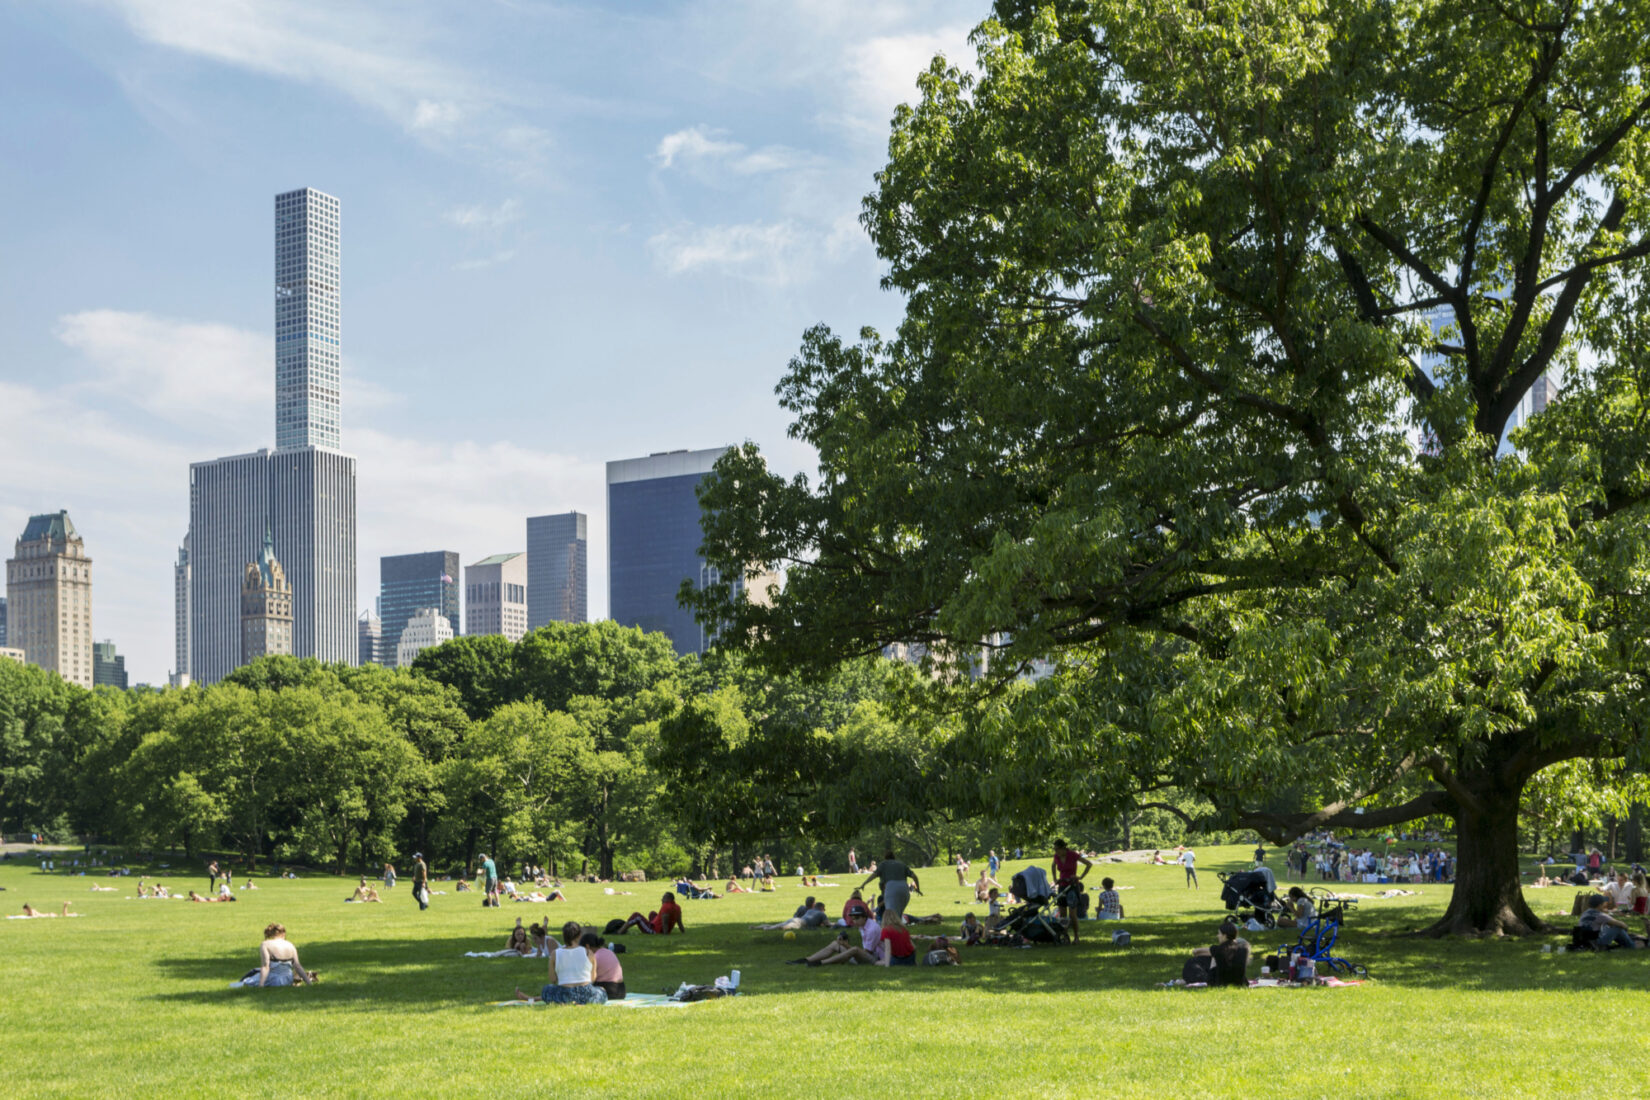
(2, 620)
(557, 569)
(369, 636)
(409, 582)
(495, 596)
(653, 539)
(49, 598)
(266, 607)
(108, 666)
(180, 618)
(426, 627)
(303, 492)
(307, 320)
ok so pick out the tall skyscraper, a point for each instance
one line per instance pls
(49, 598)
(180, 617)
(303, 492)
(266, 607)
(369, 636)
(307, 320)
(557, 569)
(410, 582)
(495, 596)
(108, 666)
(653, 538)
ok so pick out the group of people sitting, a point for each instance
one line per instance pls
(876, 944)
(583, 971)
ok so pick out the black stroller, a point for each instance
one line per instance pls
(1031, 921)
(1255, 890)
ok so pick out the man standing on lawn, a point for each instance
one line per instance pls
(1188, 860)
(421, 881)
(211, 878)
(1068, 884)
(489, 871)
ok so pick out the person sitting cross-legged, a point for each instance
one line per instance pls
(1611, 932)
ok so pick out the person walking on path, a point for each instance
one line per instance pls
(212, 873)
(421, 881)
(1188, 860)
(892, 875)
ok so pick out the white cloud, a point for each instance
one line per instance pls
(376, 61)
(699, 147)
(482, 216)
(181, 371)
(775, 253)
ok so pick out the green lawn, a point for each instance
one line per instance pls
(133, 996)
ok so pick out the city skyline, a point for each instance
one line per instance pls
(627, 257)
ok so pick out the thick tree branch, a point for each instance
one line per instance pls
(1284, 828)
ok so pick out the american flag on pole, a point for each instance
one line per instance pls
(446, 579)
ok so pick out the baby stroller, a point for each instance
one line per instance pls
(1317, 939)
(1257, 890)
(1030, 921)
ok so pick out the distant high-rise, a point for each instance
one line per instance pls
(108, 666)
(49, 598)
(408, 582)
(180, 617)
(369, 634)
(424, 628)
(307, 321)
(303, 492)
(495, 596)
(266, 607)
(557, 569)
(653, 539)
(2, 620)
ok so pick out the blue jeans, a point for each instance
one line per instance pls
(573, 995)
(1610, 934)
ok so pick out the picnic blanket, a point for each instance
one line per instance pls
(632, 1000)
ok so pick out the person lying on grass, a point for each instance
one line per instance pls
(811, 917)
(733, 887)
(660, 922)
(31, 911)
(518, 940)
(196, 897)
(573, 970)
(847, 947)
(278, 960)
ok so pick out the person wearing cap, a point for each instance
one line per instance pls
(421, 881)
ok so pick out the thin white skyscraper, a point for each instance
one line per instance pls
(303, 492)
(307, 321)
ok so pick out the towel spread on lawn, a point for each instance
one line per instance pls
(632, 1000)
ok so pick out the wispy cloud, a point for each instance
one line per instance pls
(482, 216)
(375, 60)
(700, 145)
(478, 263)
(774, 253)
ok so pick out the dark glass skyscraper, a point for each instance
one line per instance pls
(558, 569)
(653, 538)
(408, 582)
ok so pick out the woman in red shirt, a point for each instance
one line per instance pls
(897, 948)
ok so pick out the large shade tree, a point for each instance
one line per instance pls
(1218, 316)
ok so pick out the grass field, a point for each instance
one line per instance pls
(133, 997)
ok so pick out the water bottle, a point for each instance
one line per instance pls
(733, 979)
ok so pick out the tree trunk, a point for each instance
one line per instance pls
(1489, 895)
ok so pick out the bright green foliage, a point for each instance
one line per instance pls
(1169, 405)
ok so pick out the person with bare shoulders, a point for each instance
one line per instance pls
(278, 961)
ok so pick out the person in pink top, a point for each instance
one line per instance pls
(609, 975)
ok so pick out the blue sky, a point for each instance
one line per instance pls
(571, 233)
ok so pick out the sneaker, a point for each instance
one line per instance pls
(813, 962)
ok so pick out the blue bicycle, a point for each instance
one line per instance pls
(1317, 939)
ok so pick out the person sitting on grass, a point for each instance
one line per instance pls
(573, 969)
(733, 887)
(660, 922)
(813, 916)
(463, 886)
(1231, 955)
(1108, 904)
(1298, 910)
(278, 963)
(1618, 892)
(519, 941)
(856, 901)
(896, 948)
(994, 909)
(983, 886)
(1611, 932)
(249, 884)
(848, 947)
(608, 974)
(973, 932)
(363, 892)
